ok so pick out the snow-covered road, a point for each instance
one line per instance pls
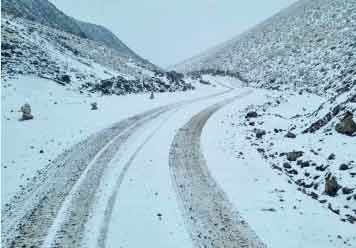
(210, 217)
(148, 173)
(84, 199)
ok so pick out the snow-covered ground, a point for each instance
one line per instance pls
(275, 152)
(269, 199)
(62, 117)
(145, 209)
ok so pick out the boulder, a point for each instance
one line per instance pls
(65, 78)
(259, 133)
(26, 112)
(331, 185)
(347, 125)
(347, 191)
(290, 135)
(293, 172)
(287, 165)
(94, 106)
(251, 114)
(344, 167)
(305, 164)
(294, 155)
(332, 156)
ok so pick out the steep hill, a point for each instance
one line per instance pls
(47, 43)
(45, 13)
(309, 45)
(306, 50)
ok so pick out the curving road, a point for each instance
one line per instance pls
(210, 218)
(56, 209)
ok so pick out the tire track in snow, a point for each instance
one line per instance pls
(69, 233)
(29, 217)
(39, 214)
(68, 226)
(101, 242)
(102, 239)
(210, 218)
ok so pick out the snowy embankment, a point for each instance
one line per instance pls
(283, 201)
(62, 117)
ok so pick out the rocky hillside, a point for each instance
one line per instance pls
(306, 50)
(310, 45)
(45, 13)
(30, 48)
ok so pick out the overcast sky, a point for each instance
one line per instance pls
(169, 31)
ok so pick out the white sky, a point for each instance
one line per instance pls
(169, 31)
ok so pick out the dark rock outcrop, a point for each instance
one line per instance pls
(251, 114)
(347, 125)
(290, 135)
(331, 185)
(259, 133)
(294, 155)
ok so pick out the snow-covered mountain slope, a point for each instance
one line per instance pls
(311, 45)
(284, 201)
(306, 50)
(45, 13)
(32, 48)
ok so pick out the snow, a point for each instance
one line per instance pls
(134, 221)
(310, 44)
(31, 48)
(306, 48)
(62, 117)
(279, 213)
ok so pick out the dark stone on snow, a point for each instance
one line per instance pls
(287, 165)
(290, 135)
(324, 120)
(260, 150)
(314, 195)
(331, 185)
(26, 112)
(65, 79)
(347, 125)
(259, 133)
(293, 172)
(276, 167)
(321, 167)
(331, 156)
(336, 211)
(305, 164)
(204, 82)
(344, 167)
(347, 191)
(94, 106)
(251, 114)
(293, 156)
